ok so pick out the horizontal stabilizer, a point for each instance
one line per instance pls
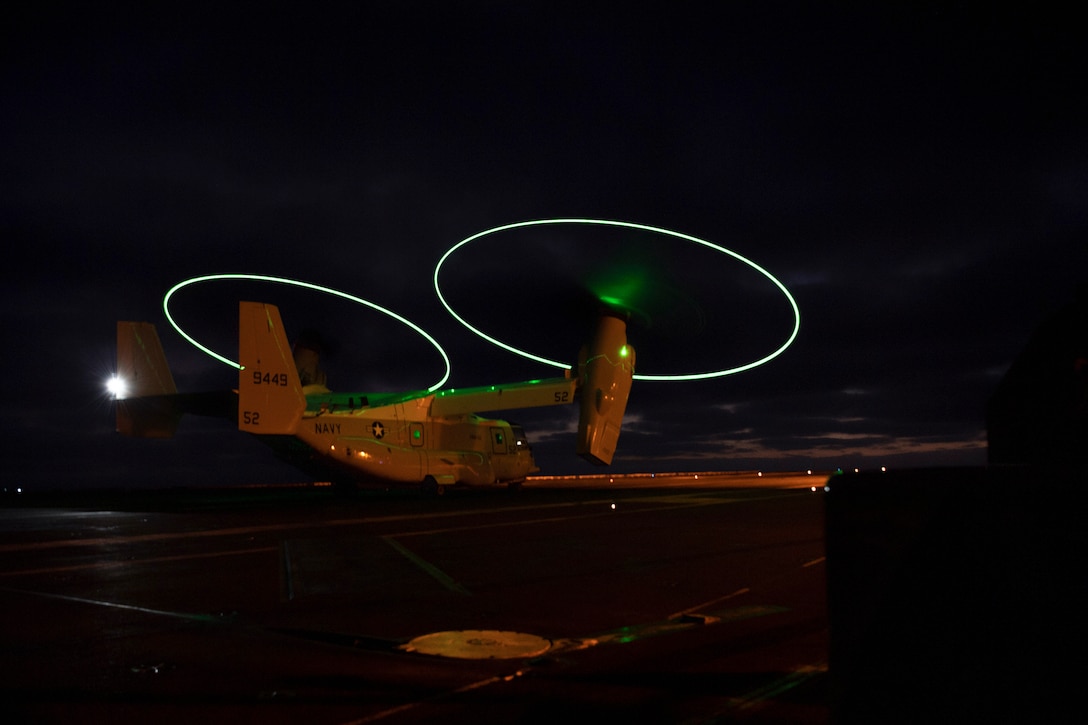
(150, 406)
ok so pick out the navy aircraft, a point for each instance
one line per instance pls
(432, 440)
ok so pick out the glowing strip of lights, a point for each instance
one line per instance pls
(295, 283)
(628, 225)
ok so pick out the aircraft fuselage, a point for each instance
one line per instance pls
(427, 438)
(400, 442)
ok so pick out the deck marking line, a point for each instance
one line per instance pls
(437, 698)
(118, 605)
(133, 562)
(272, 528)
(712, 602)
(777, 687)
(576, 517)
(442, 578)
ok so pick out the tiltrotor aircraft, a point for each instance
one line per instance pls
(428, 439)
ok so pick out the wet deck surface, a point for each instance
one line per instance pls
(664, 600)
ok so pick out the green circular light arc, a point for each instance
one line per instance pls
(629, 225)
(295, 283)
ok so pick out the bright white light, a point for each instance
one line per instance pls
(116, 387)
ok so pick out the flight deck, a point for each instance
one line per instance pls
(658, 599)
(951, 595)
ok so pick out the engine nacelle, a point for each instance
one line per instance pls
(605, 371)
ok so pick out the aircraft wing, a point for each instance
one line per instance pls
(603, 382)
(529, 394)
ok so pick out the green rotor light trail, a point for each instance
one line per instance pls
(627, 225)
(295, 283)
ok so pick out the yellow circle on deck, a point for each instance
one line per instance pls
(479, 644)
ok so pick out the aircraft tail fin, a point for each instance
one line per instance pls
(146, 408)
(605, 368)
(270, 396)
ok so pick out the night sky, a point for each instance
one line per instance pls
(917, 178)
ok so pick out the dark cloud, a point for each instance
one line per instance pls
(914, 175)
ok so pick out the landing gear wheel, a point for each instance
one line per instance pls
(430, 487)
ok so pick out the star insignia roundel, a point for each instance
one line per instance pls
(378, 428)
